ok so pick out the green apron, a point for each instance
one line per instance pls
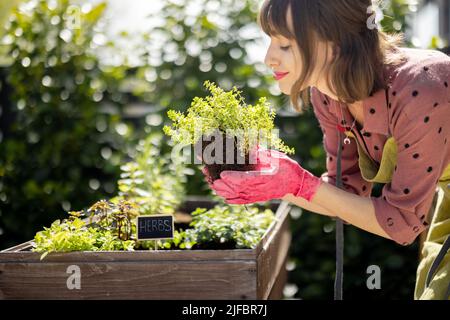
(439, 229)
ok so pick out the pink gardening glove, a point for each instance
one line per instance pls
(276, 176)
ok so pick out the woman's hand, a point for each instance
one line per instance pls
(276, 176)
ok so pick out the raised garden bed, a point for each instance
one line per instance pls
(257, 273)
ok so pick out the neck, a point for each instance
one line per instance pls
(357, 105)
(325, 90)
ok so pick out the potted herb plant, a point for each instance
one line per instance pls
(225, 129)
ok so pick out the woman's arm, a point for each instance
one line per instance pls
(313, 207)
(332, 201)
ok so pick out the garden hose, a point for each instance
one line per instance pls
(339, 232)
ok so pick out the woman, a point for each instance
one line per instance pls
(392, 103)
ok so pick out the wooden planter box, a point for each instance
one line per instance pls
(258, 273)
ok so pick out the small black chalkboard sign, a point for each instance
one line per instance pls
(154, 227)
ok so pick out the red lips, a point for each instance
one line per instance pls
(280, 75)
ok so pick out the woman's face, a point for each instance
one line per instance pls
(284, 58)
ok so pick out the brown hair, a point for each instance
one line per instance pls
(361, 54)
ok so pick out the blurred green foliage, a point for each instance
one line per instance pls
(395, 14)
(62, 138)
(63, 135)
(5, 10)
(154, 180)
(208, 41)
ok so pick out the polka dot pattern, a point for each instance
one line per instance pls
(390, 222)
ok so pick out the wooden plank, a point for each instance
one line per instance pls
(277, 292)
(19, 247)
(131, 280)
(271, 260)
(130, 256)
(280, 215)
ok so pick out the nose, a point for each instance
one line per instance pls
(270, 60)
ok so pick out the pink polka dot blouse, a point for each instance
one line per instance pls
(415, 110)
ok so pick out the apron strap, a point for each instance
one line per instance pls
(338, 295)
(437, 261)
